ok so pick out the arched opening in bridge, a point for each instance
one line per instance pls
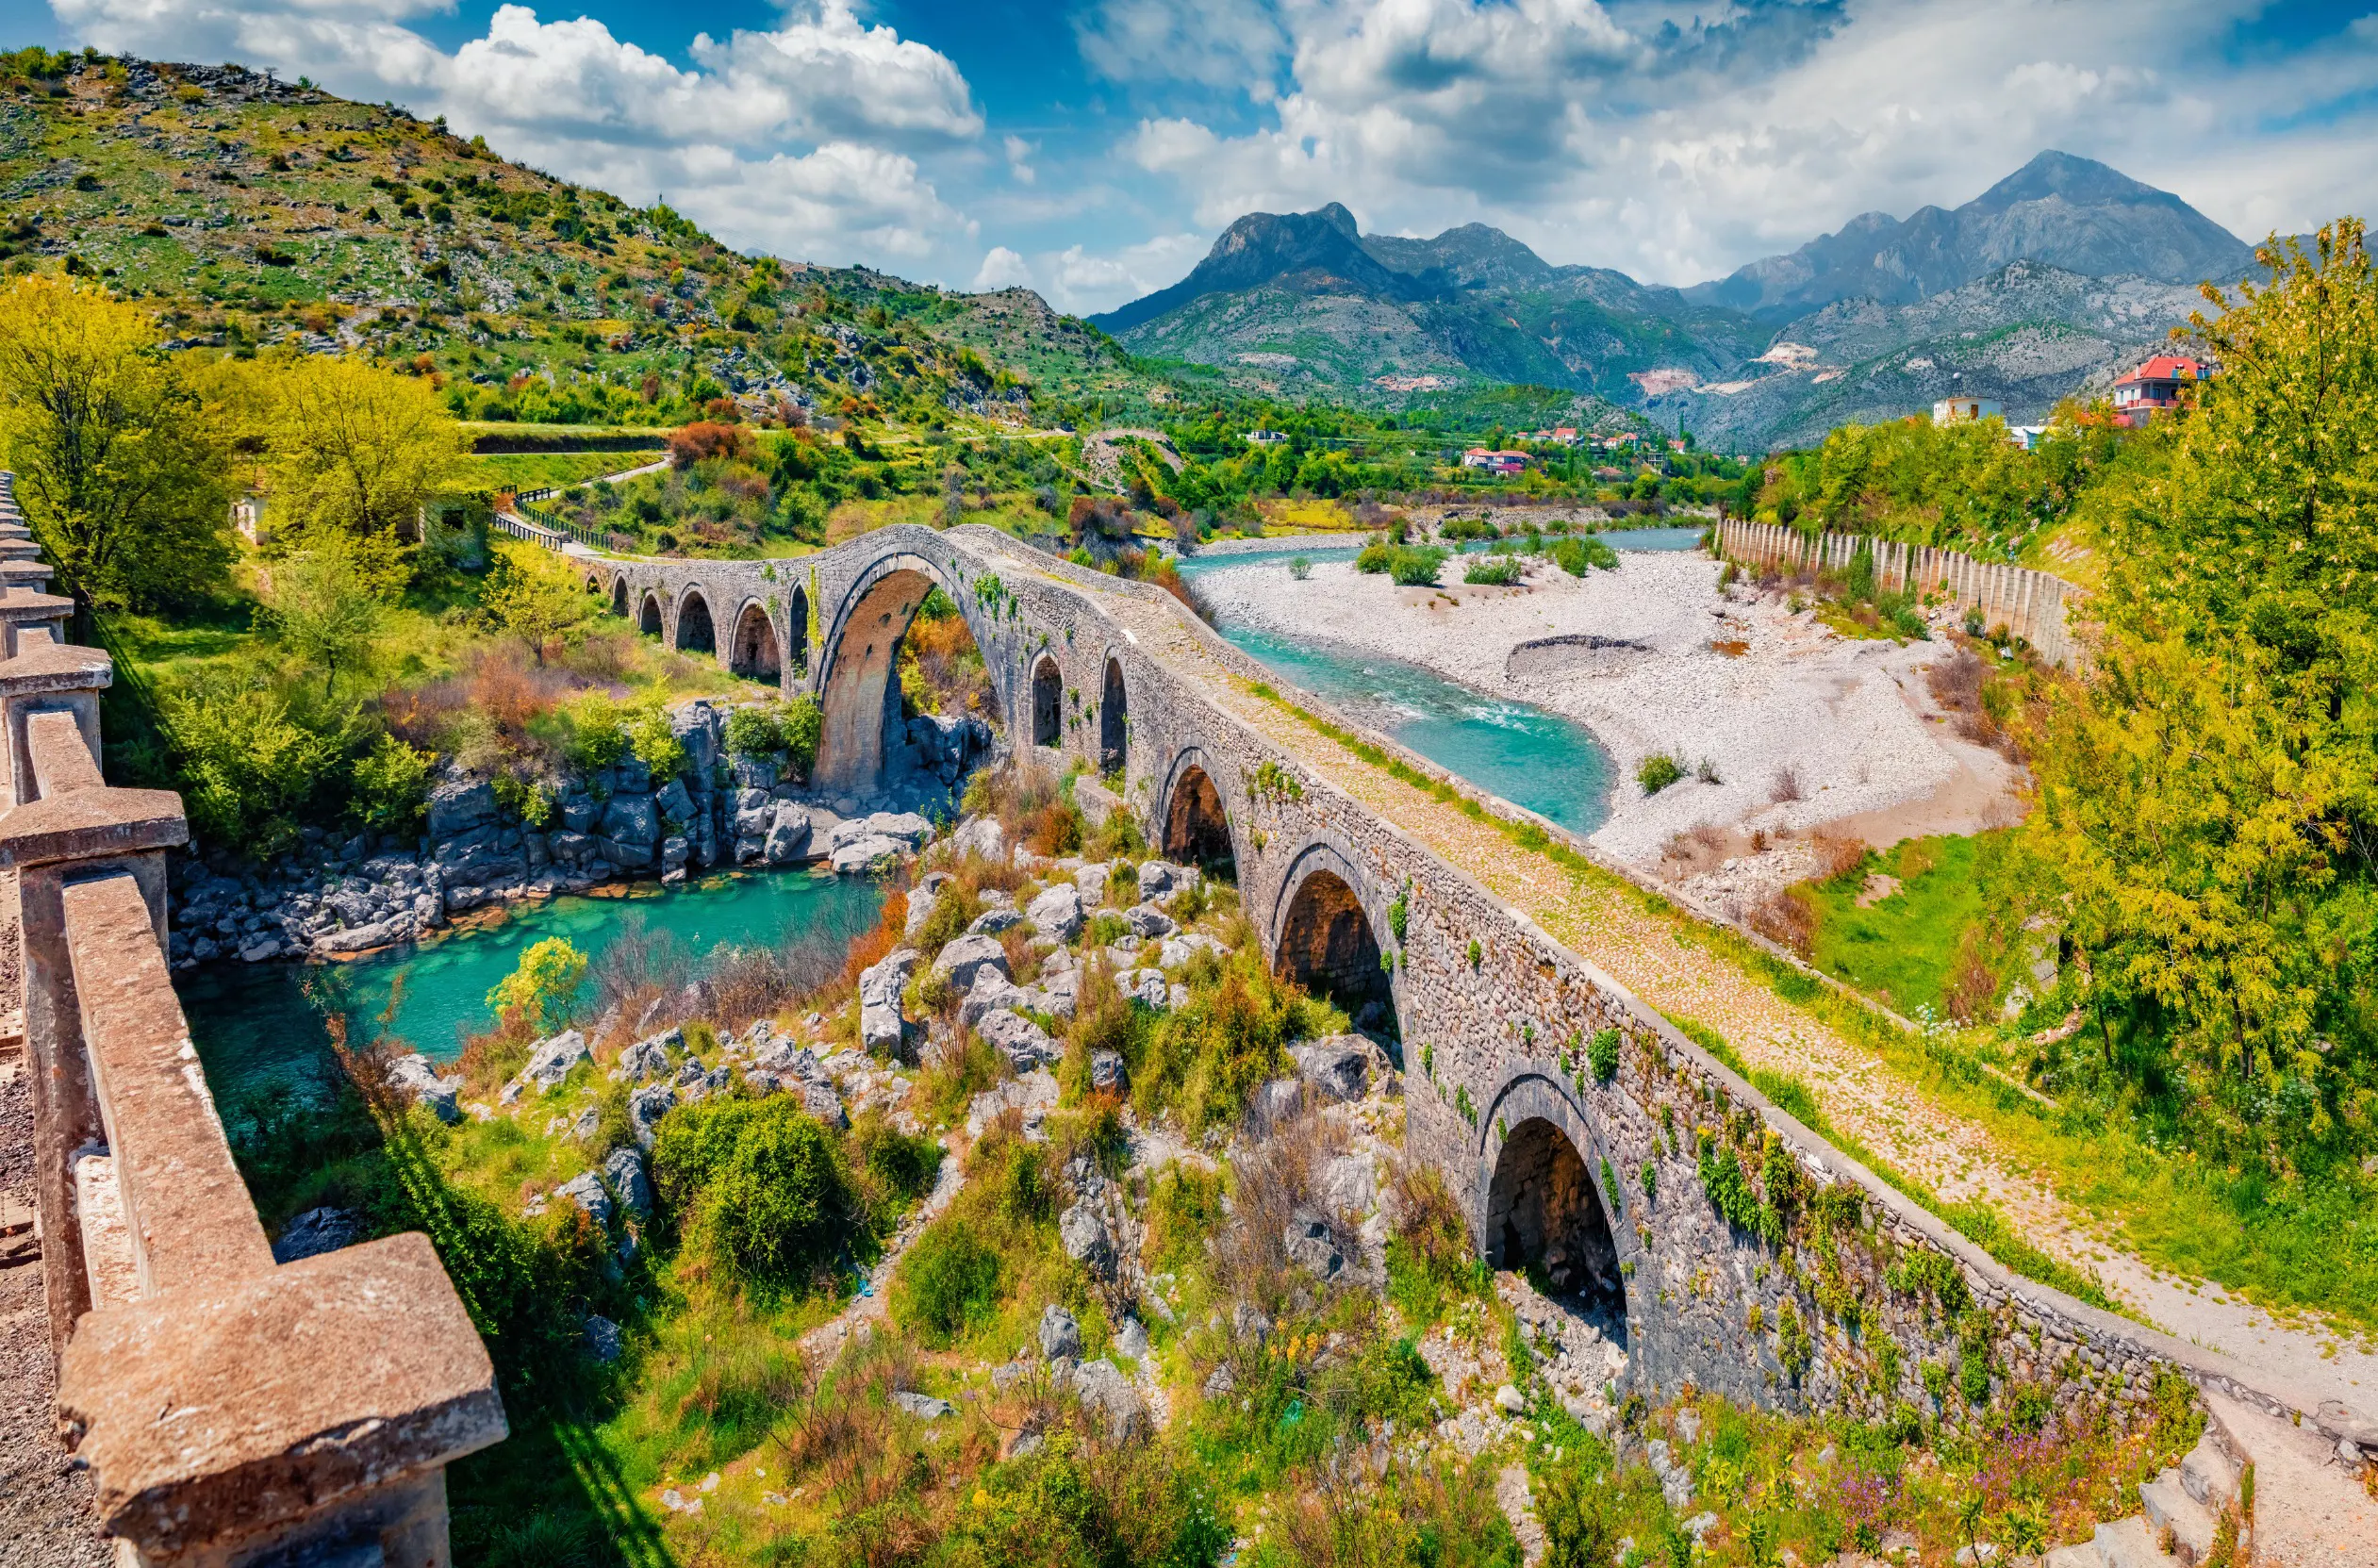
(798, 620)
(903, 649)
(1115, 720)
(694, 632)
(1048, 688)
(648, 621)
(620, 598)
(1325, 946)
(1542, 1210)
(754, 653)
(1196, 831)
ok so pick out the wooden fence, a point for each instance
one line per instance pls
(2032, 606)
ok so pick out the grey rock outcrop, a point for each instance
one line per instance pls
(624, 1170)
(412, 1076)
(962, 962)
(1059, 1335)
(317, 1231)
(1057, 912)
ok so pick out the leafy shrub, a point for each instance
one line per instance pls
(757, 730)
(653, 742)
(1656, 771)
(1601, 1053)
(758, 1185)
(543, 987)
(1301, 567)
(1374, 559)
(247, 769)
(1499, 571)
(1469, 528)
(391, 785)
(949, 1282)
(598, 732)
(1415, 566)
(802, 723)
(1206, 1057)
(1577, 555)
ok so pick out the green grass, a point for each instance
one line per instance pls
(530, 470)
(1899, 949)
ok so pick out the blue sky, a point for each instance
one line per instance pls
(1092, 149)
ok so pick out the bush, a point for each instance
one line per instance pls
(544, 985)
(653, 742)
(248, 770)
(598, 732)
(1374, 559)
(391, 785)
(1301, 567)
(1656, 771)
(759, 1186)
(756, 732)
(1496, 571)
(1415, 566)
(949, 1282)
(1576, 555)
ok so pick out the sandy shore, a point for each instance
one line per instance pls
(1852, 719)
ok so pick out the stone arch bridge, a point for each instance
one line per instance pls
(1577, 1129)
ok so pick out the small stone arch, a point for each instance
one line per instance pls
(799, 622)
(695, 633)
(753, 653)
(1114, 719)
(651, 620)
(619, 596)
(855, 685)
(1048, 691)
(1541, 1203)
(1323, 939)
(1196, 826)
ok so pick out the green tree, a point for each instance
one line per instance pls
(2210, 789)
(119, 465)
(356, 449)
(323, 609)
(524, 600)
(545, 986)
(247, 768)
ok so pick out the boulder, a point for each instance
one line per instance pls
(910, 831)
(788, 831)
(1102, 1387)
(1149, 922)
(1106, 1071)
(991, 993)
(379, 934)
(872, 853)
(412, 1076)
(1090, 882)
(550, 1060)
(624, 1170)
(631, 819)
(962, 962)
(586, 1190)
(881, 1025)
(459, 807)
(1082, 1231)
(1177, 951)
(820, 1101)
(1311, 1246)
(1031, 1096)
(1158, 879)
(992, 921)
(317, 1231)
(1057, 912)
(1132, 1340)
(1024, 1043)
(1273, 1105)
(1334, 1068)
(648, 1057)
(1145, 985)
(647, 1106)
(983, 837)
(603, 1338)
(1059, 1335)
(923, 1405)
(673, 803)
(1347, 1184)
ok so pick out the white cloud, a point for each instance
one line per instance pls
(1075, 280)
(1219, 43)
(1678, 154)
(802, 140)
(1019, 153)
(1001, 269)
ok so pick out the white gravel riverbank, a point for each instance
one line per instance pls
(1852, 719)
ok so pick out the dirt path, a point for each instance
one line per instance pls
(1865, 1098)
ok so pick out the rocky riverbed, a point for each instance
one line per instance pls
(335, 897)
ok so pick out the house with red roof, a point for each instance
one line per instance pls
(2157, 385)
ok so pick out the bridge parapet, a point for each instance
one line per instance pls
(231, 1410)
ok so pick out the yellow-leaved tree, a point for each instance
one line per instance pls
(119, 461)
(2211, 787)
(354, 448)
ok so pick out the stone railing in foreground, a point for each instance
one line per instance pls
(231, 1410)
(2031, 604)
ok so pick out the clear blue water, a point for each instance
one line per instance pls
(262, 1026)
(1529, 755)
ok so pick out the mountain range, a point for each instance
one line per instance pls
(2045, 284)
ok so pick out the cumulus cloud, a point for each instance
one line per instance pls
(1216, 43)
(1001, 269)
(1613, 134)
(802, 139)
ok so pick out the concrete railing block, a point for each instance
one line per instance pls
(63, 762)
(92, 824)
(241, 1407)
(189, 1213)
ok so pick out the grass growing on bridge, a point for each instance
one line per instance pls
(2286, 1247)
